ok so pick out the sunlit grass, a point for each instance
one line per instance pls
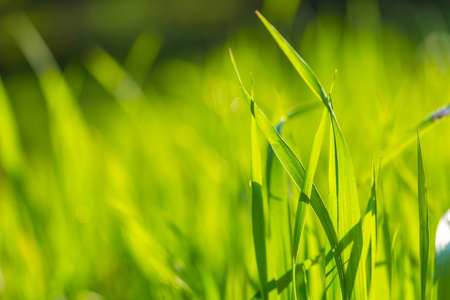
(124, 179)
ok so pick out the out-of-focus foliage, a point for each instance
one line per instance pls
(125, 172)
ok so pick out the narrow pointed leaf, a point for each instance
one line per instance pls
(258, 223)
(280, 231)
(423, 219)
(300, 65)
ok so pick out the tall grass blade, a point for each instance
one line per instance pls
(349, 216)
(258, 224)
(296, 171)
(303, 203)
(423, 219)
(279, 210)
(370, 225)
(279, 216)
(442, 257)
(300, 65)
(332, 285)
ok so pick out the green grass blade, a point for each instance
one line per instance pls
(423, 218)
(303, 203)
(370, 225)
(349, 218)
(280, 229)
(332, 285)
(300, 65)
(258, 223)
(296, 171)
(442, 257)
(279, 212)
(349, 215)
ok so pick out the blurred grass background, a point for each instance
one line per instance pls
(125, 140)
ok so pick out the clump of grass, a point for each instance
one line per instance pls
(352, 239)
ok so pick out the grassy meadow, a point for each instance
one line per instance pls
(147, 178)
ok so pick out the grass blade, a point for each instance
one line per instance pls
(302, 208)
(349, 216)
(370, 225)
(296, 171)
(423, 218)
(332, 291)
(299, 64)
(259, 232)
(280, 229)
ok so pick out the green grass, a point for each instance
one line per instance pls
(128, 178)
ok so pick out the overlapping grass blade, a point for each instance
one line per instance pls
(332, 285)
(297, 172)
(300, 65)
(349, 216)
(258, 224)
(279, 214)
(303, 203)
(423, 219)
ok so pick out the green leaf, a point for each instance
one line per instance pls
(331, 274)
(370, 225)
(303, 203)
(299, 64)
(258, 224)
(349, 225)
(280, 229)
(297, 172)
(423, 219)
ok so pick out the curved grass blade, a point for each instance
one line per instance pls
(303, 203)
(349, 226)
(332, 285)
(299, 64)
(279, 212)
(423, 218)
(296, 171)
(442, 257)
(258, 223)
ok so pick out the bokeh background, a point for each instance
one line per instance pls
(124, 136)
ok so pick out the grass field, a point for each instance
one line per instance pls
(130, 179)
